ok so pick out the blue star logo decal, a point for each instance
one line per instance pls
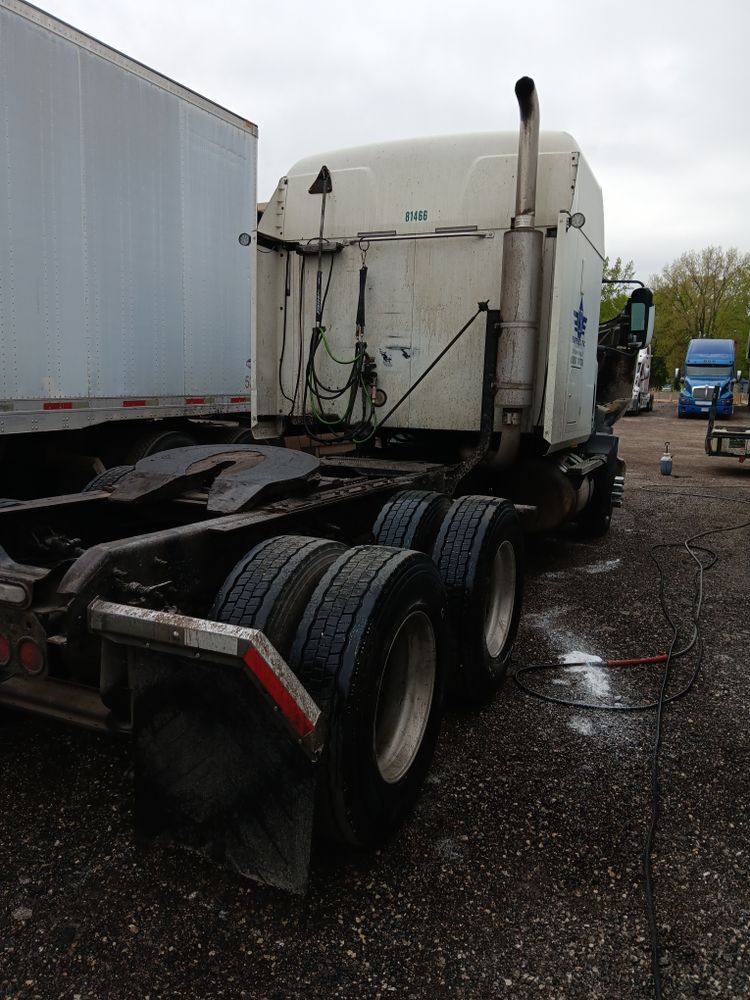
(579, 322)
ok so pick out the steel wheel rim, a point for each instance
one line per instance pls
(405, 694)
(501, 599)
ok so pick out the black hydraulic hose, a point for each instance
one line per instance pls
(361, 300)
(312, 384)
(287, 293)
(319, 302)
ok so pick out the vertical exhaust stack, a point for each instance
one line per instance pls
(521, 279)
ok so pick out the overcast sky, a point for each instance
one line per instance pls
(657, 93)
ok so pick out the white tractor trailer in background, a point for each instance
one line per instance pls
(642, 400)
(278, 632)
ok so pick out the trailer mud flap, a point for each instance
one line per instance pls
(216, 772)
(226, 742)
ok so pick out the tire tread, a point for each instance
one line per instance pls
(265, 576)
(411, 520)
(108, 479)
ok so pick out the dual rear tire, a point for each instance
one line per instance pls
(363, 629)
(476, 544)
(375, 633)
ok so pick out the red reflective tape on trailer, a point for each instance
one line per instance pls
(195, 401)
(134, 402)
(239, 399)
(57, 406)
(278, 693)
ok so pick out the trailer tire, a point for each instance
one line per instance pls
(237, 435)
(411, 520)
(243, 435)
(370, 650)
(271, 586)
(479, 553)
(108, 479)
(158, 441)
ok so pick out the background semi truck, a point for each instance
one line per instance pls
(126, 298)
(277, 632)
(643, 398)
(708, 363)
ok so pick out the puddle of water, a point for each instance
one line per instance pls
(606, 566)
(583, 726)
(578, 657)
(595, 679)
(548, 622)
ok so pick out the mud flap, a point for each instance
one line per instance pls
(217, 771)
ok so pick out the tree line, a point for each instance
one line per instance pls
(704, 293)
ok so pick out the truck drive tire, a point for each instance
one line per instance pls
(371, 652)
(411, 520)
(479, 555)
(596, 517)
(108, 479)
(270, 587)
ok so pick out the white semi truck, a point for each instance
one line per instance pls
(277, 632)
(381, 255)
(642, 400)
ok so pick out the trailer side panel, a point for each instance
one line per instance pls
(125, 290)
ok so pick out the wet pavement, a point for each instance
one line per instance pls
(518, 875)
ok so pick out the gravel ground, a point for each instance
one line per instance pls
(519, 873)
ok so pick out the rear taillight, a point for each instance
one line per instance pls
(31, 656)
(4, 651)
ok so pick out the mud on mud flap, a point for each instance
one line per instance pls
(226, 742)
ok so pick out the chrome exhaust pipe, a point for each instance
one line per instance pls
(528, 154)
(520, 291)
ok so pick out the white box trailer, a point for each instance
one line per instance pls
(124, 293)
